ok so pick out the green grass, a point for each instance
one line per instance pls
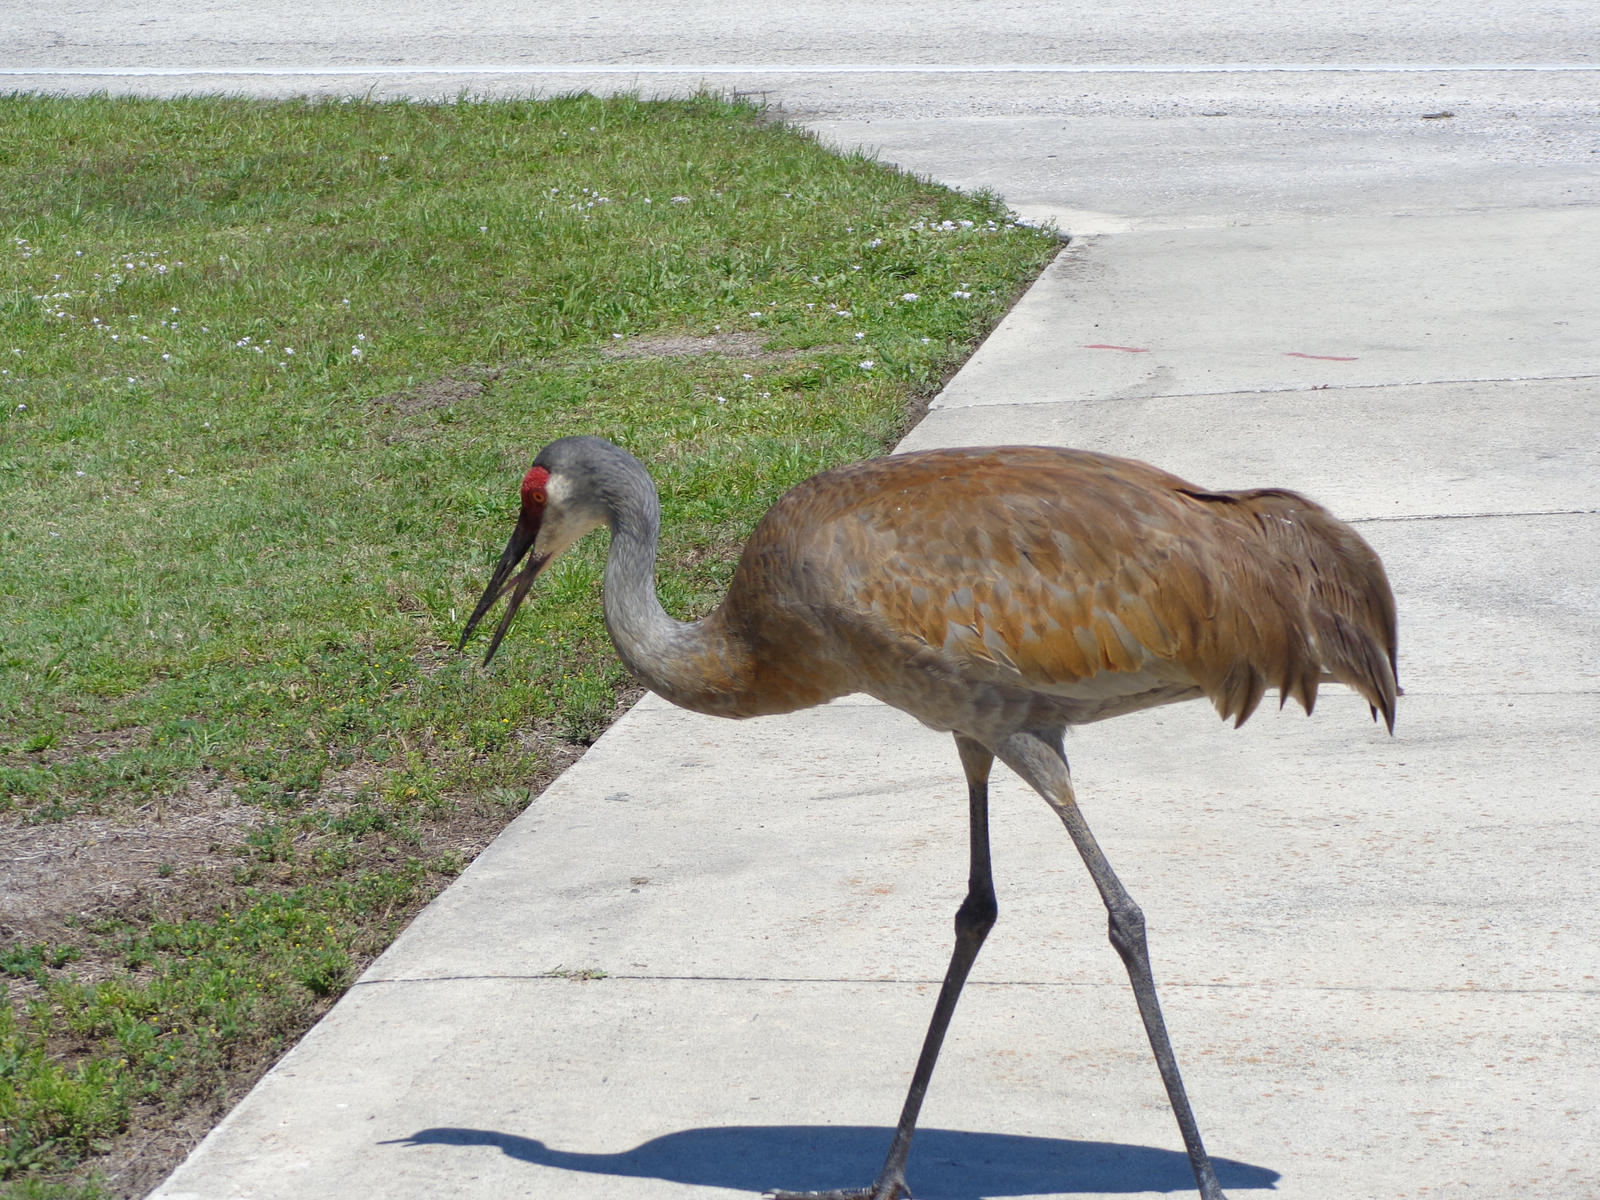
(272, 373)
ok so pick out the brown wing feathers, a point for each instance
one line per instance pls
(1058, 566)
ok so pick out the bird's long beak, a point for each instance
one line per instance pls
(522, 539)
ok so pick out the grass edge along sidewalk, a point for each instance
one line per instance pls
(270, 374)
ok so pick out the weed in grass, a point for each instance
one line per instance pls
(50, 1111)
(268, 374)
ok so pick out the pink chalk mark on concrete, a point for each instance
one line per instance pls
(1318, 357)
(1126, 349)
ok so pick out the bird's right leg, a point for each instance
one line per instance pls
(1039, 758)
(974, 919)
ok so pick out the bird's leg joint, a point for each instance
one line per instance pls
(977, 915)
(1127, 928)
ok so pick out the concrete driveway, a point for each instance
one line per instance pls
(1346, 248)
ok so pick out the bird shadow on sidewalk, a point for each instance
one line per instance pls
(946, 1164)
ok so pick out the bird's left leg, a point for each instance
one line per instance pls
(974, 919)
(1039, 758)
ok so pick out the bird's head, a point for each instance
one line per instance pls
(557, 510)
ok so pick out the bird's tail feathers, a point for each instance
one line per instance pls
(1346, 630)
(1352, 606)
(1354, 657)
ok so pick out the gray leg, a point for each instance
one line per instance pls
(1039, 758)
(974, 919)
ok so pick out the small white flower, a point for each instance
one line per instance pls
(355, 351)
(81, 474)
(680, 199)
(908, 296)
(22, 407)
(747, 375)
(616, 336)
(859, 336)
(867, 364)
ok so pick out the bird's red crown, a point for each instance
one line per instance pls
(533, 487)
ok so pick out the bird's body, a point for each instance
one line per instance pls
(992, 589)
(1001, 594)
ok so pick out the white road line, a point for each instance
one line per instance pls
(816, 69)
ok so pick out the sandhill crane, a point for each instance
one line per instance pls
(998, 594)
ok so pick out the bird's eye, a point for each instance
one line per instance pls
(536, 496)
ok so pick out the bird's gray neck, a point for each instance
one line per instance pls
(643, 631)
(691, 664)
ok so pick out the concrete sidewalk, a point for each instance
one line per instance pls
(1377, 956)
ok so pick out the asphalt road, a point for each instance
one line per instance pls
(640, 32)
(1103, 114)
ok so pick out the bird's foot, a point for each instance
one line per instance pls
(881, 1189)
